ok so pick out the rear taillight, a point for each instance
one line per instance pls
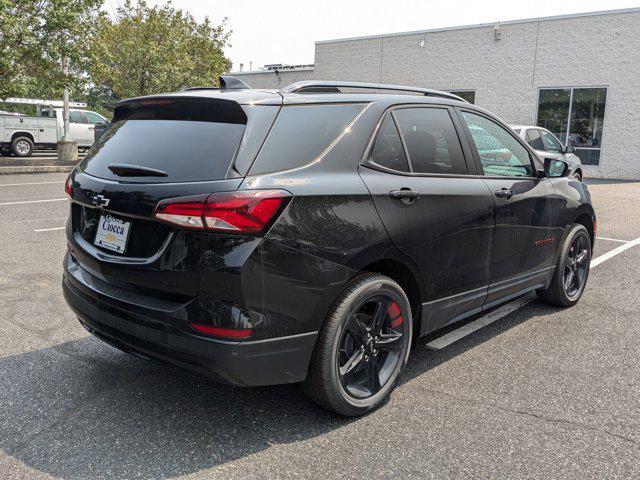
(246, 211)
(67, 187)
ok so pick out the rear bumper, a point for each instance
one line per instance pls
(157, 329)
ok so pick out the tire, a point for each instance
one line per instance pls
(22, 147)
(575, 255)
(333, 380)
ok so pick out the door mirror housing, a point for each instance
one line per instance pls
(568, 149)
(554, 168)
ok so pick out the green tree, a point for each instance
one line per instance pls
(37, 37)
(146, 50)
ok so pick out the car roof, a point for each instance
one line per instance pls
(367, 97)
(308, 92)
(528, 127)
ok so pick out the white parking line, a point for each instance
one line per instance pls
(612, 239)
(48, 229)
(455, 335)
(36, 220)
(34, 201)
(29, 183)
(606, 256)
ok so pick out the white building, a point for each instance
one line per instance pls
(577, 75)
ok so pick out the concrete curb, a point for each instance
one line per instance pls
(36, 169)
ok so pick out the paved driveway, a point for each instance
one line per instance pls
(541, 393)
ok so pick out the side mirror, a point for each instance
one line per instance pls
(569, 149)
(555, 168)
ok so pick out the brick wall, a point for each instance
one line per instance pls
(583, 51)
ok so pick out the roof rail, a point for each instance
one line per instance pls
(322, 86)
(227, 82)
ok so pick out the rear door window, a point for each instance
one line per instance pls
(387, 150)
(191, 141)
(534, 139)
(301, 135)
(76, 117)
(431, 139)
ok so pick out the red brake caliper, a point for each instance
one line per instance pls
(394, 313)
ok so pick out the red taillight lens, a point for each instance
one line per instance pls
(67, 187)
(248, 211)
(231, 333)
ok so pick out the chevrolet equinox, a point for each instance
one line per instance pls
(310, 234)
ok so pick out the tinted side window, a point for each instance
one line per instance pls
(500, 153)
(301, 134)
(76, 117)
(534, 139)
(431, 139)
(387, 150)
(551, 143)
(94, 118)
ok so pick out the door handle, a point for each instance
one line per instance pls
(504, 193)
(407, 195)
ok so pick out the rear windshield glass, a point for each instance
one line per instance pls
(301, 134)
(186, 151)
(188, 140)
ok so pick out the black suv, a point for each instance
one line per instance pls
(310, 234)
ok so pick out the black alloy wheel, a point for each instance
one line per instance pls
(362, 348)
(371, 346)
(575, 266)
(572, 269)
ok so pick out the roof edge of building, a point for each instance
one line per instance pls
(484, 25)
(251, 72)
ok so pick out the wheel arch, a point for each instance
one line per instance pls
(23, 134)
(587, 220)
(408, 278)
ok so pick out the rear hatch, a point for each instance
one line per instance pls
(157, 149)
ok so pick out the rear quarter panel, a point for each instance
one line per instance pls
(328, 232)
(575, 200)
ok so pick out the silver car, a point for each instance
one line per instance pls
(546, 144)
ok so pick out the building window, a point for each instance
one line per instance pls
(576, 117)
(468, 95)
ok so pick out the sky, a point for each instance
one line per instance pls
(285, 31)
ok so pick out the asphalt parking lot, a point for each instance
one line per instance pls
(540, 393)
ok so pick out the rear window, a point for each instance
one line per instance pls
(301, 134)
(187, 141)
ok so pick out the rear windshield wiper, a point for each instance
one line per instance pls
(126, 170)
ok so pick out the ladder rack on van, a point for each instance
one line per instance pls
(41, 102)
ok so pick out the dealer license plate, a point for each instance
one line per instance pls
(112, 233)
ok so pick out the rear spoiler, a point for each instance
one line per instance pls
(197, 109)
